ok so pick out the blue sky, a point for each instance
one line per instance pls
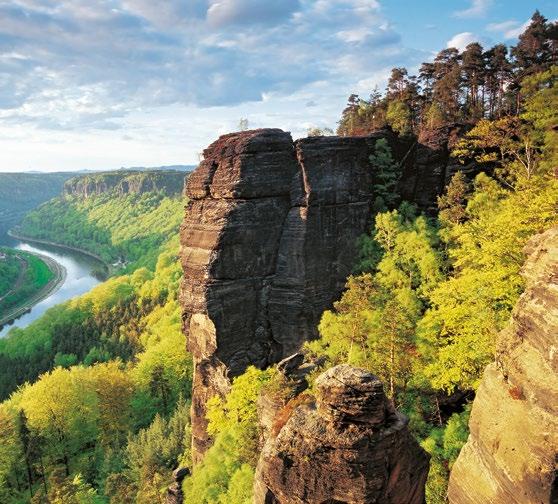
(101, 84)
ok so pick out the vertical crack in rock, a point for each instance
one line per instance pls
(268, 241)
(512, 450)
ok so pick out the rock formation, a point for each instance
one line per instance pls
(174, 492)
(347, 447)
(267, 244)
(125, 182)
(511, 455)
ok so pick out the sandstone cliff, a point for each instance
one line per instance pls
(512, 451)
(268, 242)
(349, 446)
(125, 182)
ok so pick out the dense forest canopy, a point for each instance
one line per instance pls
(456, 87)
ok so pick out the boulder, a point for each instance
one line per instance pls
(348, 446)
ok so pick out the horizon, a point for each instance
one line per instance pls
(100, 86)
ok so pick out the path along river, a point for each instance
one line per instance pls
(82, 274)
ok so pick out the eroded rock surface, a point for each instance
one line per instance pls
(348, 447)
(511, 455)
(267, 244)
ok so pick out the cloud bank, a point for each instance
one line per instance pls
(89, 64)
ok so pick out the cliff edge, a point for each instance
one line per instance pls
(511, 455)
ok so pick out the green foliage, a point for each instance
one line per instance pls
(226, 473)
(374, 324)
(386, 175)
(398, 116)
(131, 227)
(122, 317)
(444, 444)
(453, 202)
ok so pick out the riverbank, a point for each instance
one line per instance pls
(108, 267)
(59, 277)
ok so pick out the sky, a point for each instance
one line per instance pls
(101, 84)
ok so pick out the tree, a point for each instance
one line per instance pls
(386, 175)
(243, 124)
(474, 74)
(62, 407)
(532, 54)
(453, 202)
(315, 131)
(447, 84)
(500, 142)
(498, 77)
(374, 323)
(399, 117)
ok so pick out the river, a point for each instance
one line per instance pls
(82, 275)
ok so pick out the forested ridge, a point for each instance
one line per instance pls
(117, 227)
(430, 293)
(96, 392)
(21, 192)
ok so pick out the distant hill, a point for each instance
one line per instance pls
(122, 216)
(169, 182)
(21, 192)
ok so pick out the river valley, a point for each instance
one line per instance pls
(82, 274)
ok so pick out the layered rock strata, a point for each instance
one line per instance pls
(349, 446)
(269, 239)
(511, 455)
(268, 242)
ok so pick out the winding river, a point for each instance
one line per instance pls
(82, 275)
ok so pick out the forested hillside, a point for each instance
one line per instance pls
(110, 414)
(96, 391)
(103, 215)
(21, 192)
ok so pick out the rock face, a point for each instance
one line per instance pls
(512, 451)
(125, 182)
(348, 447)
(267, 244)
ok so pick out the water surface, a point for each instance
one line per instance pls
(83, 273)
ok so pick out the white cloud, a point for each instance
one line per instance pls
(478, 8)
(509, 29)
(462, 40)
(169, 75)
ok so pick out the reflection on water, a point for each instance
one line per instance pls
(83, 273)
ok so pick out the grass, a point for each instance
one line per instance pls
(23, 283)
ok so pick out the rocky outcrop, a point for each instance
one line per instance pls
(267, 244)
(511, 455)
(125, 182)
(349, 446)
(174, 492)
